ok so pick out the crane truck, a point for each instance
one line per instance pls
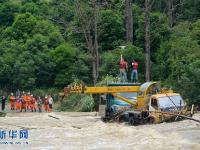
(136, 103)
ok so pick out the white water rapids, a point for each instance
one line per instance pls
(74, 131)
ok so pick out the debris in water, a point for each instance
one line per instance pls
(53, 117)
(2, 114)
(76, 127)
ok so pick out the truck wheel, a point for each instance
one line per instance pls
(131, 120)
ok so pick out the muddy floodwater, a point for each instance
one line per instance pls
(82, 131)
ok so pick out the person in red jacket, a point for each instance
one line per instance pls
(123, 67)
(134, 74)
(12, 101)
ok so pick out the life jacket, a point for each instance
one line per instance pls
(29, 98)
(135, 65)
(12, 98)
(24, 97)
(46, 102)
(33, 100)
(23, 101)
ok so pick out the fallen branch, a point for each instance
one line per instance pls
(76, 127)
(53, 117)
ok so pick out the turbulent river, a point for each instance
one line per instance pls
(74, 131)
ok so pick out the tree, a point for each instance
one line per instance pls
(7, 12)
(147, 39)
(70, 65)
(9, 52)
(111, 29)
(26, 45)
(23, 71)
(87, 20)
(178, 61)
(187, 10)
(170, 8)
(129, 21)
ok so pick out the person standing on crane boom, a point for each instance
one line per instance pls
(134, 73)
(123, 67)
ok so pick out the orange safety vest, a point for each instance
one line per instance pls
(12, 99)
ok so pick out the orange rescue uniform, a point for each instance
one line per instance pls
(28, 101)
(18, 104)
(46, 105)
(12, 102)
(23, 102)
(33, 108)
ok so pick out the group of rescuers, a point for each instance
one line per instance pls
(123, 69)
(28, 102)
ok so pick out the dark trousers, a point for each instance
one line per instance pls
(3, 105)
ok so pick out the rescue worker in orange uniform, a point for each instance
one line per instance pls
(18, 103)
(23, 100)
(46, 104)
(33, 108)
(12, 101)
(28, 101)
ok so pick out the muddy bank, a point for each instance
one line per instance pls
(86, 131)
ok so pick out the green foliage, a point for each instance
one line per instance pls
(111, 29)
(69, 64)
(25, 52)
(179, 67)
(7, 12)
(108, 79)
(189, 10)
(30, 7)
(23, 26)
(159, 30)
(42, 92)
(23, 71)
(78, 102)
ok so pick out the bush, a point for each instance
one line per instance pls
(108, 79)
(78, 102)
